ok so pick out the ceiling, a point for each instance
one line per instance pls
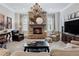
(48, 7)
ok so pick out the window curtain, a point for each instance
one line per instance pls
(25, 22)
(50, 23)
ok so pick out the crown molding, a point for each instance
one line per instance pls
(4, 5)
(67, 6)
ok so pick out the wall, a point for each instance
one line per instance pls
(74, 7)
(6, 12)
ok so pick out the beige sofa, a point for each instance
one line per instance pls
(74, 42)
(65, 52)
(54, 52)
(6, 52)
(55, 36)
(21, 53)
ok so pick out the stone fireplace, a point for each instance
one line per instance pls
(37, 30)
(37, 23)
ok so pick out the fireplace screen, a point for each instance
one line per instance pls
(37, 30)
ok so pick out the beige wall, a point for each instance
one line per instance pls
(74, 7)
(16, 18)
(71, 9)
(6, 12)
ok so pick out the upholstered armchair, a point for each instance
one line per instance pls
(55, 36)
(17, 36)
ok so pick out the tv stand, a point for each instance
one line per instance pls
(67, 37)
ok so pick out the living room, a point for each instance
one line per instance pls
(39, 29)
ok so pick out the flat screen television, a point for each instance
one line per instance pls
(72, 27)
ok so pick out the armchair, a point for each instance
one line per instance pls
(17, 36)
(55, 36)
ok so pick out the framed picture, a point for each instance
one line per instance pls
(77, 14)
(1, 22)
(9, 23)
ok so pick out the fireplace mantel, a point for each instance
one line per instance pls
(37, 23)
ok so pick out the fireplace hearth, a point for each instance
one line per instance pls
(37, 30)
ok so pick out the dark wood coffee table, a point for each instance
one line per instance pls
(38, 46)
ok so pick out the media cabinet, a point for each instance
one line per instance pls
(67, 37)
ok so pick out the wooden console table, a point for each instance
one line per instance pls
(4, 36)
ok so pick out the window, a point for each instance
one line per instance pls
(50, 23)
(25, 22)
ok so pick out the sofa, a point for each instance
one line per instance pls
(55, 36)
(65, 52)
(21, 53)
(17, 36)
(75, 42)
(6, 52)
(71, 49)
(54, 52)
